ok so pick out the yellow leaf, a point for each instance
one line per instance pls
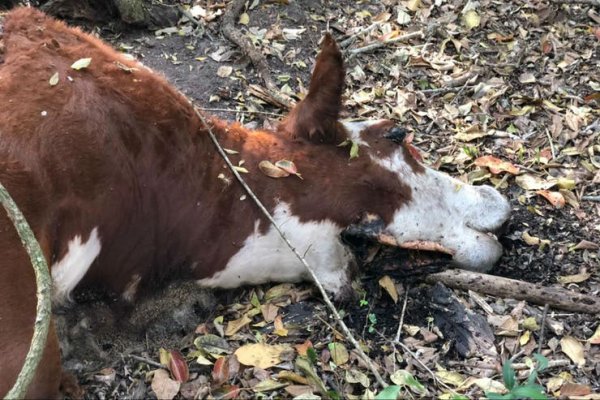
(530, 324)
(260, 355)
(244, 19)
(573, 349)
(524, 339)
(234, 326)
(413, 5)
(450, 377)
(388, 284)
(577, 278)
(53, 79)
(279, 328)
(471, 19)
(82, 63)
(554, 383)
(339, 353)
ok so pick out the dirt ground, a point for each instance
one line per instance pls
(521, 85)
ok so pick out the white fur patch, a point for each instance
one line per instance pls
(67, 272)
(266, 257)
(354, 128)
(447, 211)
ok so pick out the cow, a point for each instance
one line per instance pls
(117, 175)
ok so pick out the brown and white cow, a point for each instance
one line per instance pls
(123, 187)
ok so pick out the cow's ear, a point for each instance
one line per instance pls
(315, 118)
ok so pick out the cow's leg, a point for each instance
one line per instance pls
(17, 316)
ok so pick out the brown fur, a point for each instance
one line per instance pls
(123, 151)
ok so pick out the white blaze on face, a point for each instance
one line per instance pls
(449, 212)
(67, 272)
(266, 257)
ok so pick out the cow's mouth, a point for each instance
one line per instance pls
(373, 246)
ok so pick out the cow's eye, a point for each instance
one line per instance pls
(396, 135)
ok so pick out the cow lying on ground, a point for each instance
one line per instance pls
(123, 188)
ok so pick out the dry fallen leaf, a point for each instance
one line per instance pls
(496, 166)
(163, 386)
(339, 353)
(279, 330)
(234, 326)
(586, 245)
(224, 71)
(555, 198)
(471, 19)
(388, 284)
(54, 79)
(574, 389)
(82, 63)
(533, 182)
(577, 278)
(260, 355)
(271, 170)
(573, 349)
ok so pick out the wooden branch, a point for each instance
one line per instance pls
(510, 288)
(267, 95)
(236, 37)
(44, 287)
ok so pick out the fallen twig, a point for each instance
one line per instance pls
(146, 361)
(542, 329)
(591, 198)
(259, 62)
(589, 2)
(378, 45)
(230, 110)
(401, 323)
(43, 293)
(310, 270)
(190, 17)
(346, 42)
(511, 288)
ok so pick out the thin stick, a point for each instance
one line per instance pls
(240, 111)
(43, 293)
(591, 198)
(347, 42)
(146, 360)
(589, 2)
(401, 323)
(310, 270)
(378, 45)
(189, 16)
(543, 329)
(551, 144)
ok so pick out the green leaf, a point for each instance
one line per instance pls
(354, 150)
(82, 63)
(532, 377)
(535, 392)
(312, 355)
(508, 375)
(542, 362)
(389, 393)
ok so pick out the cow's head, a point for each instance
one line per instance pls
(415, 206)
